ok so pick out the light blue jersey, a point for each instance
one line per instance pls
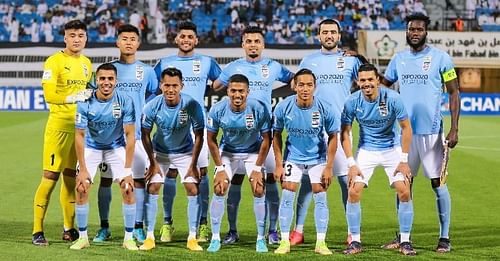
(173, 124)
(334, 75)
(241, 131)
(420, 77)
(196, 71)
(305, 142)
(104, 120)
(135, 80)
(378, 127)
(261, 75)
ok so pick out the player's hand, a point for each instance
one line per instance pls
(326, 177)
(79, 96)
(82, 181)
(278, 173)
(348, 52)
(127, 184)
(354, 171)
(194, 172)
(452, 138)
(404, 168)
(221, 182)
(153, 169)
(256, 176)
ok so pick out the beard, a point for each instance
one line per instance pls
(416, 45)
(331, 47)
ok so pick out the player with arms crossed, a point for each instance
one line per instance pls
(245, 140)
(377, 110)
(105, 133)
(262, 73)
(421, 72)
(305, 117)
(175, 114)
(196, 69)
(65, 76)
(136, 80)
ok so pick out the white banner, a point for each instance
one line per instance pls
(466, 48)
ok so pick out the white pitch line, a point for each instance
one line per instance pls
(478, 148)
(478, 137)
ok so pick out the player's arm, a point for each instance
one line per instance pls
(198, 143)
(214, 147)
(221, 180)
(217, 85)
(278, 156)
(52, 97)
(326, 177)
(385, 82)
(452, 87)
(83, 177)
(154, 167)
(347, 147)
(264, 148)
(130, 144)
(406, 133)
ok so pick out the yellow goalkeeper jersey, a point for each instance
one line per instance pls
(64, 75)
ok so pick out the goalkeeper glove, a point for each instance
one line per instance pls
(79, 96)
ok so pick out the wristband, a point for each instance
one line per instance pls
(219, 168)
(404, 157)
(351, 162)
(128, 171)
(257, 168)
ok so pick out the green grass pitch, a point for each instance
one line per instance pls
(473, 182)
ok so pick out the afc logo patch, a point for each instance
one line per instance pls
(117, 110)
(183, 117)
(264, 70)
(249, 121)
(139, 72)
(427, 63)
(196, 66)
(315, 119)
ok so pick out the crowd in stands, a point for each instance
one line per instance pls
(219, 21)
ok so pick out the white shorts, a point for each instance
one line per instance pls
(293, 172)
(180, 162)
(114, 159)
(203, 160)
(270, 162)
(139, 164)
(340, 161)
(428, 150)
(233, 162)
(389, 159)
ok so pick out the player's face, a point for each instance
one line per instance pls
(106, 81)
(368, 83)
(237, 92)
(171, 87)
(253, 44)
(329, 36)
(186, 40)
(128, 43)
(75, 40)
(305, 86)
(416, 34)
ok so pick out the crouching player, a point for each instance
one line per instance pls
(305, 117)
(246, 140)
(174, 114)
(99, 137)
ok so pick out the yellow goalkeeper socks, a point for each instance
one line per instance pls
(41, 203)
(67, 199)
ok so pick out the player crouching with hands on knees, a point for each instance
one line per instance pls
(305, 117)
(101, 123)
(377, 109)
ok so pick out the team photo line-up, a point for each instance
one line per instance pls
(102, 123)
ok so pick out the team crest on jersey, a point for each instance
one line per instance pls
(183, 117)
(340, 63)
(315, 119)
(196, 66)
(427, 63)
(382, 106)
(249, 120)
(139, 72)
(85, 70)
(117, 110)
(264, 69)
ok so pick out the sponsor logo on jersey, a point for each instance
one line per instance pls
(249, 120)
(340, 63)
(315, 119)
(427, 63)
(117, 110)
(139, 72)
(85, 70)
(264, 71)
(183, 117)
(382, 110)
(196, 66)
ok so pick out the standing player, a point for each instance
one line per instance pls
(196, 69)
(175, 115)
(421, 72)
(305, 117)
(245, 140)
(65, 76)
(377, 110)
(335, 74)
(262, 73)
(136, 80)
(105, 133)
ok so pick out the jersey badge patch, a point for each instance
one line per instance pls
(264, 71)
(117, 110)
(249, 121)
(315, 119)
(183, 117)
(427, 63)
(85, 70)
(340, 63)
(139, 72)
(196, 66)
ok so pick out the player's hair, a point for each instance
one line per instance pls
(128, 28)
(172, 72)
(187, 25)
(252, 30)
(303, 71)
(75, 24)
(418, 17)
(239, 78)
(329, 21)
(367, 67)
(106, 67)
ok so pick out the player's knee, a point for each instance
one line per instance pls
(237, 179)
(218, 191)
(258, 192)
(404, 195)
(139, 183)
(354, 194)
(290, 186)
(435, 183)
(317, 188)
(106, 182)
(154, 188)
(69, 172)
(172, 173)
(191, 189)
(51, 175)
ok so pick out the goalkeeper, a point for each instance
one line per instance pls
(65, 77)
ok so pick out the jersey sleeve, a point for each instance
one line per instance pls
(81, 120)
(331, 125)
(303, 63)
(215, 70)
(158, 69)
(447, 68)
(391, 72)
(284, 75)
(347, 116)
(51, 72)
(399, 109)
(278, 121)
(148, 116)
(225, 74)
(152, 82)
(266, 120)
(355, 68)
(128, 112)
(197, 114)
(213, 120)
